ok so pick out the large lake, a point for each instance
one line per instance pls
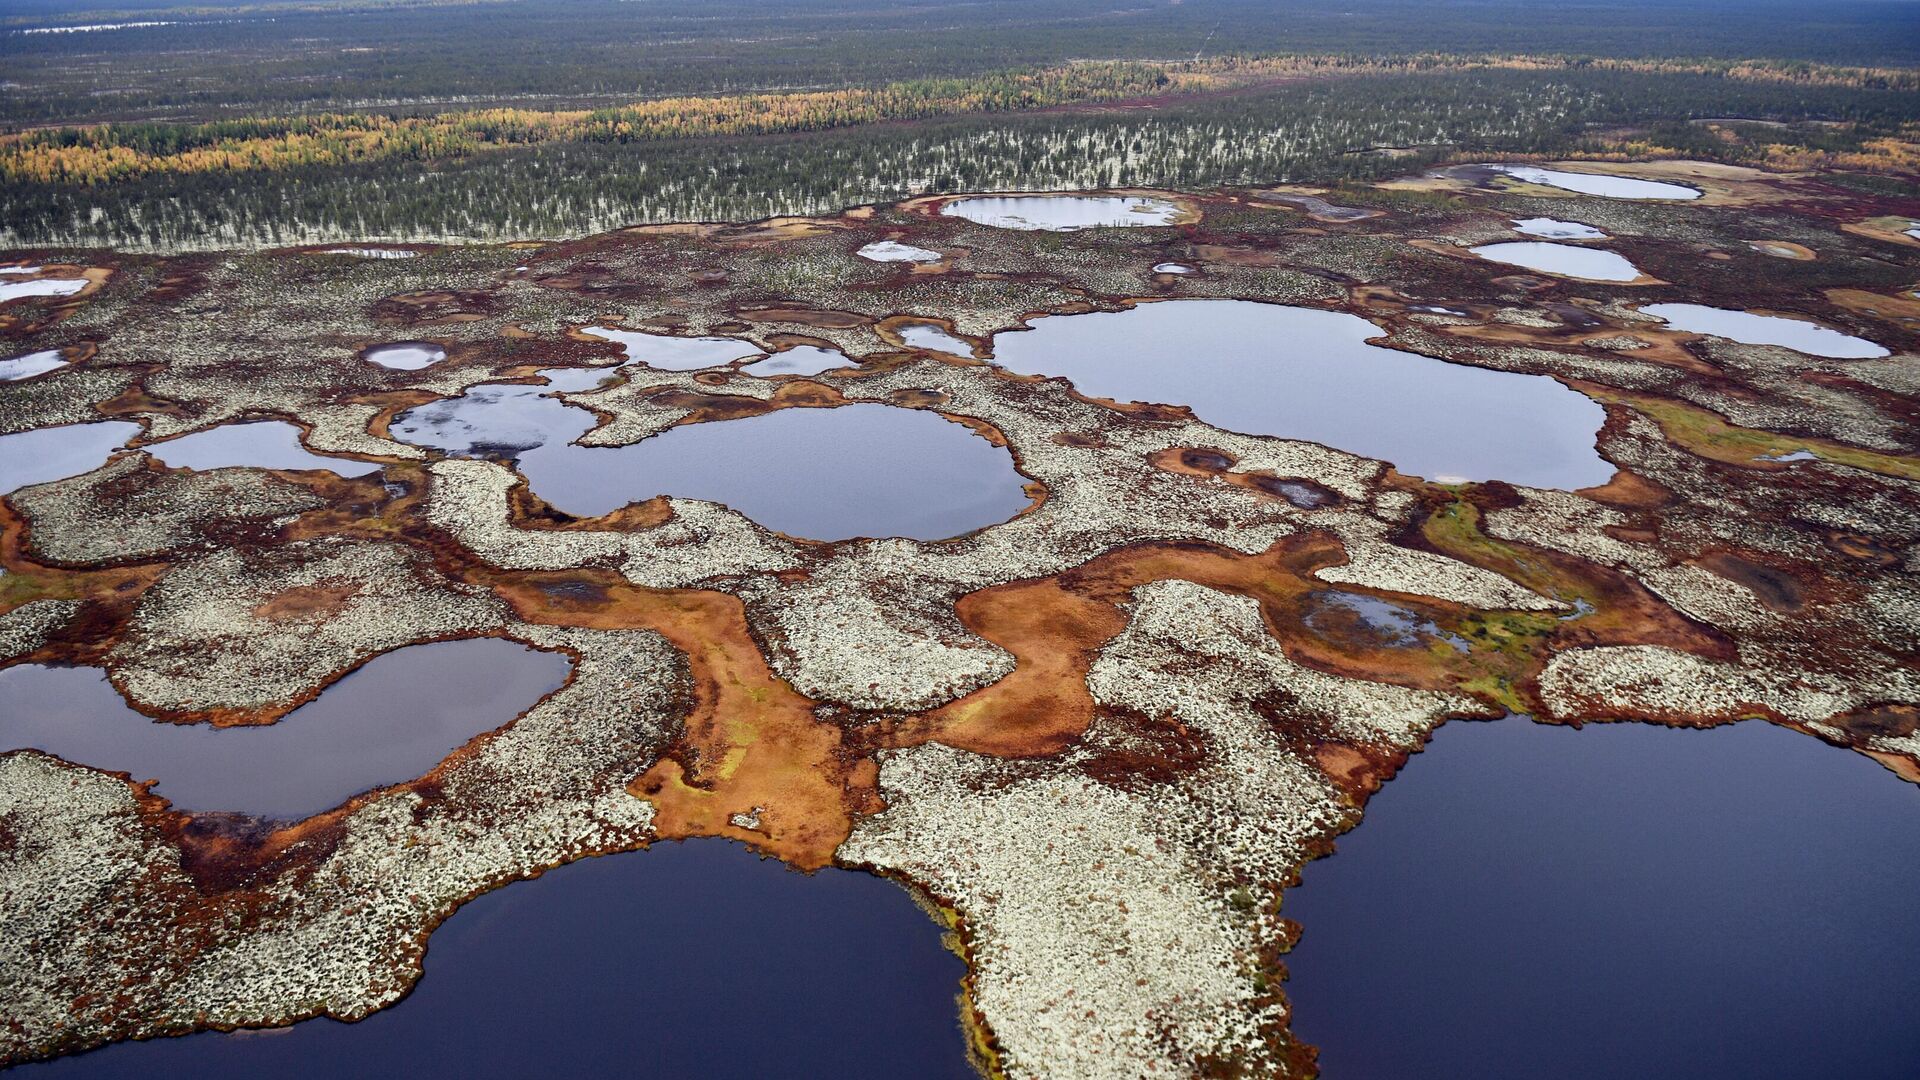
(685, 960)
(1303, 373)
(1622, 902)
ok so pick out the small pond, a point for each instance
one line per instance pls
(1172, 268)
(1548, 228)
(799, 360)
(1621, 901)
(1302, 373)
(389, 721)
(18, 290)
(262, 444)
(689, 959)
(1062, 213)
(1590, 264)
(1744, 326)
(933, 338)
(670, 352)
(1612, 187)
(895, 251)
(406, 355)
(372, 253)
(27, 365)
(55, 453)
(823, 474)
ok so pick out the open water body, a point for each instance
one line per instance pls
(19, 290)
(895, 251)
(406, 355)
(1062, 213)
(1302, 373)
(686, 960)
(1548, 228)
(1566, 260)
(1745, 326)
(1621, 902)
(670, 352)
(389, 721)
(42, 455)
(262, 444)
(823, 474)
(27, 365)
(1611, 187)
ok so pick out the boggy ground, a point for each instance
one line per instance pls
(1103, 736)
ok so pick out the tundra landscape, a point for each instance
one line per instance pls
(995, 521)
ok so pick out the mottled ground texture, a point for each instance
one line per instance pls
(1102, 737)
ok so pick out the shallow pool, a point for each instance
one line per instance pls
(799, 360)
(1621, 901)
(1554, 229)
(822, 474)
(1751, 329)
(55, 453)
(1062, 213)
(406, 355)
(1612, 187)
(1302, 373)
(262, 444)
(1590, 264)
(389, 721)
(27, 365)
(19, 290)
(895, 251)
(670, 352)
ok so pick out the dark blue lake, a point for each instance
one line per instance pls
(687, 960)
(1622, 901)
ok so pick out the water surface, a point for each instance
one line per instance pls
(1172, 268)
(799, 360)
(894, 251)
(1612, 187)
(262, 444)
(27, 365)
(1563, 259)
(1745, 326)
(406, 355)
(670, 352)
(1622, 902)
(686, 960)
(1301, 373)
(16, 290)
(389, 721)
(823, 474)
(55, 453)
(1062, 213)
(1554, 229)
(931, 337)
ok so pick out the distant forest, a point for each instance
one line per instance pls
(278, 56)
(1325, 131)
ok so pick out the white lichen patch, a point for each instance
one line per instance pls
(1647, 680)
(1114, 927)
(125, 510)
(208, 634)
(26, 627)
